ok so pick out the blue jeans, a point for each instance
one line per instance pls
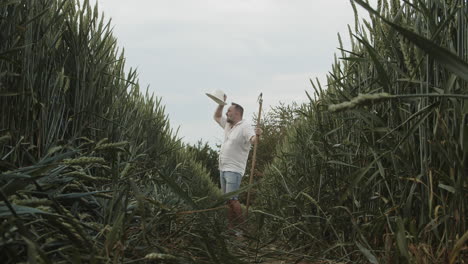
(230, 182)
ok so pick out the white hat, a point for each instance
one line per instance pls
(217, 96)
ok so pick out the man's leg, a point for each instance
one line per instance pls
(222, 182)
(235, 216)
(233, 180)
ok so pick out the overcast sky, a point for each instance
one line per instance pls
(185, 48)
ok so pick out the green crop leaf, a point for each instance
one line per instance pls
(20, 210)
(444, 56)
(371, 257)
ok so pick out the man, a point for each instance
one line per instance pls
(238, 137)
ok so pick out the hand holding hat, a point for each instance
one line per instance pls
(218, 96)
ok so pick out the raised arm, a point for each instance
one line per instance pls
(219, 112)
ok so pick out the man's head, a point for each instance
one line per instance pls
(234, 113)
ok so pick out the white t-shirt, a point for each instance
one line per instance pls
(236, 146)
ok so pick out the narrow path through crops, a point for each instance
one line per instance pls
(250, 250)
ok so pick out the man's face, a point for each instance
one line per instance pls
(231, 114)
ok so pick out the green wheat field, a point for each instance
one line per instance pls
(373, 169)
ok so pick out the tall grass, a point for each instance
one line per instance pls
(90, 169)
(372, 171)
(384, 179)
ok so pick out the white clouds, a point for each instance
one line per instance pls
(239, 17)
(230, 12)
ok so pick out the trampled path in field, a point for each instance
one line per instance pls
(250, 250)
